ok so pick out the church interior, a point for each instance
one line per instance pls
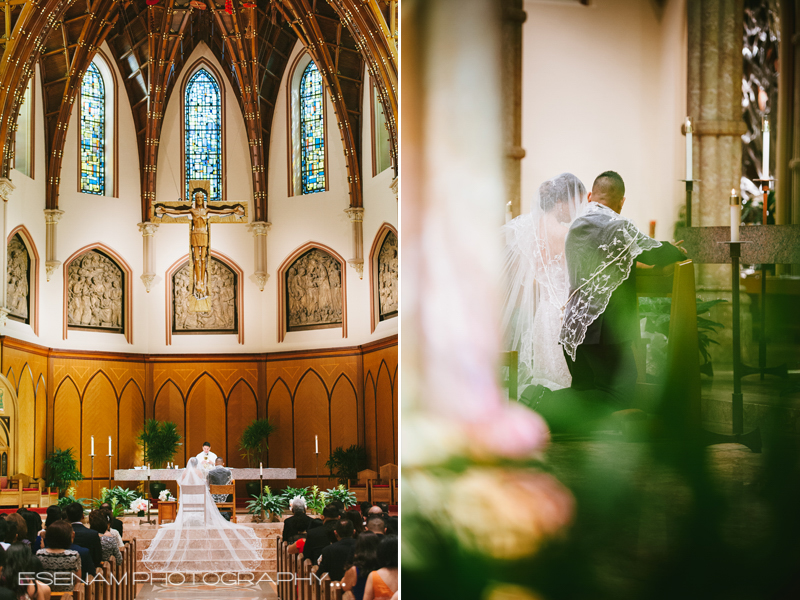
(200, 201)
(688, 491)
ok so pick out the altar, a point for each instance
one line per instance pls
(174, 474)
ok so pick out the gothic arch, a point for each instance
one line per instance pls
(288, 261)
(33, 282)
(374, 251)
(228, 262)
(127, 305)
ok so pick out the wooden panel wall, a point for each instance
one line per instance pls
(344, 396)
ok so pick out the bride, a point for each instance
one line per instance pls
(536, 281)
(201, 540)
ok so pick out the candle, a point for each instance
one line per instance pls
(765, 155)
(688, 127)
(261, 469)
(652, 229)
(736, 215)
(148, 470)
(92, 452)
(509, 215)
(316, 444)
(109, 445)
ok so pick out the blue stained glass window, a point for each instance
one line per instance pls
(203, 127)
(312, 129)
(93, 132)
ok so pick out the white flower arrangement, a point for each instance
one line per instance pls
(139, 505)
(165, 496)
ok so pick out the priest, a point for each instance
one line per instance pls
(206, 459)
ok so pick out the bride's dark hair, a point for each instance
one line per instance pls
(559, 189)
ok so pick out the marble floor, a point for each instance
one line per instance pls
(257, 591)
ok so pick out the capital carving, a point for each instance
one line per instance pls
(356, 214)
(147, 280)
(395, 187)
(50, 266)
(148, 228)
(52, 215)
(6, 187)
(260, 227)
(261, 280)
(358, 265)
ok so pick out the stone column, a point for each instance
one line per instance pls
(52, 216)
(260, 230)
(6, 187)
(148, 230)
(357, 219)
(715, 30)
(513, 16)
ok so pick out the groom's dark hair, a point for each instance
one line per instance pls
(609, 186)
(206, 444)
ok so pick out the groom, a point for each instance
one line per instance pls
(597, 342)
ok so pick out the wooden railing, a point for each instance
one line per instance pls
(111, 581)
(297, 579)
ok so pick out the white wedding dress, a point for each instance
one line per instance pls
(536, 282)
(201, 540)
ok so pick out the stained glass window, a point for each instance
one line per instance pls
(203, 126)
(312, 129)
(93, 132)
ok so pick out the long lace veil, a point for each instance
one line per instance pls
(201, 540)
(536, 281)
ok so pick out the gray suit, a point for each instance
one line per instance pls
(220, 476)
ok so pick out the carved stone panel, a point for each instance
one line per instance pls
(222, 318)
(96, 291)
(388, 272)
(314, 292)
(18, 278)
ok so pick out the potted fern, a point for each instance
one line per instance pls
(267, 505)
(253, 445)
(346, 463)
(159, 441)
(62, 469)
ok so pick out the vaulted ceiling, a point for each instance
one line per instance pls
(150, 44)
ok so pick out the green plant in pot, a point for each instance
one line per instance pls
(62, 470)
(253, 445)
(346, 463)
(159, 441)
(267, 505)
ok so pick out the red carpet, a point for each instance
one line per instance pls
(36, 509)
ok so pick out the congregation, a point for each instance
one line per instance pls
(357, 547)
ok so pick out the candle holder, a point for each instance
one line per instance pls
(109, 470)
(689, 189)
(92, 477)
(261, 477)
(147, 493)
(317, 454)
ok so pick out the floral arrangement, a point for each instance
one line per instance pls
(315, 501)
(165, 496)
(68, 497)
(342, 494)
(267, 502)
(139, 506)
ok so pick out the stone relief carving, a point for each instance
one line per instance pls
(221, 291)
(388, 277)
(18, 286)
(95, 288)
(314, 291)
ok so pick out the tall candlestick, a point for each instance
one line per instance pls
(736, 215)
(316, 444)
(765, 155)
(109, 445)
(92, 452)
(688, 127)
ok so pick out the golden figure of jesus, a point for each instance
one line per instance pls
(199, 213)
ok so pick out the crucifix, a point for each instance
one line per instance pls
(199, 214)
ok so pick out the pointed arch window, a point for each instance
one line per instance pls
(93, 132)
(203, 132)
(312, 131)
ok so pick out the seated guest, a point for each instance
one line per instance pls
(290, 525)
(384, 507)
(17, 529)
(58, 560)
(364, 562)
(374, 510)
(365, 506)
(299, 540)
(116, 524)
(3, 530)
(220, 475)
(382, 583)
(355, 518)
(5, 593)
(19, 559)
(84, 536)
(333, 558)
(98, 521)
(113, 532)
(34, 524)
(319, 537)
(377, 524)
